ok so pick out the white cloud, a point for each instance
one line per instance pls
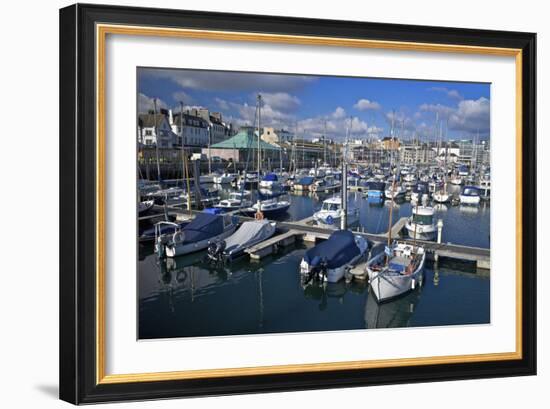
(182, 96)
(400, 121)
(365, 104)
(451, 93)
(281, 101)
(472, 116)
(336, 125)
(222, 104)
(339, 113)
(145, 103)
(442, 110)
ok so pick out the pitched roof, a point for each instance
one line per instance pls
(148, 120)
(245, 139)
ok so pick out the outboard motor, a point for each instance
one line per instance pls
(215, 250)
(319, 269)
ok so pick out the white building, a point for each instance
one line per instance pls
(193, 128)
(153, 129)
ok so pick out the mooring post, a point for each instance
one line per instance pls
(439, 231)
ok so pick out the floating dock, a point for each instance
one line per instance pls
(304, 230)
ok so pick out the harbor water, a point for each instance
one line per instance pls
(188, 297)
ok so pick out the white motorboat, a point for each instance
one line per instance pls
(396, 270)
(324, 185)
(195, 236)
(470, 195)
(249, 234)
(225, 178)
(236, 200)
(332, 211)
(145, 206)
(330, 259)
(271, 207)
(420, 193)
(441, 196)
(485, 188)
(270, 181)
(395, 192)
(421, 224)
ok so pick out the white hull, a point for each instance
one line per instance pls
(224, 180)
(422, 232)
(473, 200)
(386, 286)
(321, 217)
(179, 249)
(441, 197)
(414, 197)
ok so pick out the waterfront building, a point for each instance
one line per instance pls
(153, 129)
(390, 143)
(242, 147)
(417, 154)
(194, 129)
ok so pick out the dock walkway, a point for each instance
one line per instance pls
(290, 231)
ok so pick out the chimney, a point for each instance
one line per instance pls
(170, 117)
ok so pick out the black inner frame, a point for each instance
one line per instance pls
(78, 198)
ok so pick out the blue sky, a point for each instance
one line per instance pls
(307, 103)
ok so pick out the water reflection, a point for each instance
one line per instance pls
(394, 314)
(187, 296)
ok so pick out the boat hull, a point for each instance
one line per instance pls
(422, 232)
(471, 200)
(386, 287)
(179, 249)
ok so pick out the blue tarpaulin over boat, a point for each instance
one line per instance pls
(306, 181)
(337, 250)
(202, 227)
(270, 177)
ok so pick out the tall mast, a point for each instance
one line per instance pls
(184, 160)
(325, 144)
(259, 136)
(156, 138)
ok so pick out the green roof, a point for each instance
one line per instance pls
(245, 139)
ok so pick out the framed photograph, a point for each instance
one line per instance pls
(257, 203)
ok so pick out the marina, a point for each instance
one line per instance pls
(259, 231)
(170, 288)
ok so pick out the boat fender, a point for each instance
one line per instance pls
(178, 237)
(259, 216)
(412, 284)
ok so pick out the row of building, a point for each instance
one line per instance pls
(197, 126)
(412, 152)
(205, 132)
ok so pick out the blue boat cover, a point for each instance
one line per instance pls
(213, 210)
(202, 227)
(307, 180)
(337, 250)
(270, 177)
